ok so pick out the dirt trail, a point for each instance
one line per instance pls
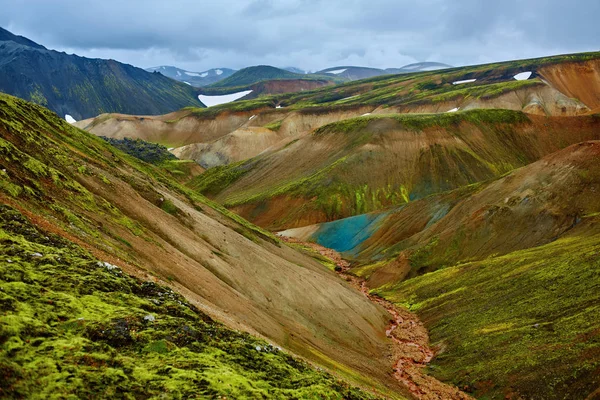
(411, 349)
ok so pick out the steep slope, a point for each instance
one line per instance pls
(368, 163)
(511, 298)
(83, 87)
(578, 80)
(197, 79)
(118, 337)
(131, 215)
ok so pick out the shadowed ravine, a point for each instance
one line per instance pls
(411, 351)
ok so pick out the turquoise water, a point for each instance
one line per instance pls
(346, 234)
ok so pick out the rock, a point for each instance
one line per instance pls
(37, 255)
(258, 348)
(149, 318)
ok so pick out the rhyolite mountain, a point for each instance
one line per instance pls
(467, 195)
(84, 87)
(198, 79)
(89, 239)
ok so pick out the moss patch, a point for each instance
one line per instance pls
(75, 326)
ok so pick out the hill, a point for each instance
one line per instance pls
(83, 87)
(525, 244)
(372, 162)
(251, 75)
(129, 214)
(196, 79)
(419, 67)
(555, 86)
(353, 73)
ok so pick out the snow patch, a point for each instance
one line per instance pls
(453, 110)
(178, 73)
(336, 71)
(278, 107)
(523, 76)
(171, 148)
(192, 73)
(464, 81)
(251, 118)
(364, 115)
(204, 75)
(218, 72)
(70, 119)
(187, 83)
(348, 98)
(210, 101)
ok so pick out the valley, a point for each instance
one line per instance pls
(423, 232)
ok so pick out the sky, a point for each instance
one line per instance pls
(309, 34)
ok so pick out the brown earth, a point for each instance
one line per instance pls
(411, 350)
(433, 160)
(172, 130)
(542, 99)
(530, 207)
(226, 268)
(576, 80)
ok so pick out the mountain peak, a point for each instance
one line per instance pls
(7, 36)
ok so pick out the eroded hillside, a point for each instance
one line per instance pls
(503, 274)
(130, 214)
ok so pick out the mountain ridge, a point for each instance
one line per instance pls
(83, 87)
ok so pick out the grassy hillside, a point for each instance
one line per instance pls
(524, 325)
(83, 87)
(251, 75)
(133, 215)
(365, 164)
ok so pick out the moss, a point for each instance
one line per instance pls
(168, 207)
(215, 179)
(73, 326)
(521, 325)
(274, 126)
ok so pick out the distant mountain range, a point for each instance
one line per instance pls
(83, 87)
(229, 78)
(198, 79)
(353, 73)
(251, 75)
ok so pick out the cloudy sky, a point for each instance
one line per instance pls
(310, 34)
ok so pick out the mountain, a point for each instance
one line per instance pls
(352, 73)
(502, 272)
(83, 87)
(251, 75)
(373, 162)
(79, 216)
(197, 79)
(418, 67)
(295, 70)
